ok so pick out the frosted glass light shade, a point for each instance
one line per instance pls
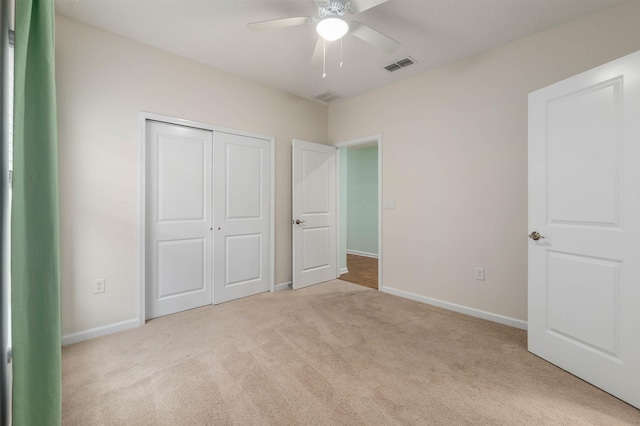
(332, 29)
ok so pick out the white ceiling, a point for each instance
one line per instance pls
(432, 32)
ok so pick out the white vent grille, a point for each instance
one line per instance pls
(393, 67)
(402, 63)
(327, 96)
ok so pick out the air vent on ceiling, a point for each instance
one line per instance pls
(400, 64)
(328, 96)
(393, 67)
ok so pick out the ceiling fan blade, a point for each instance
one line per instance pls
(279, 23)
(373, 37)
(316, 58)
(358, 6)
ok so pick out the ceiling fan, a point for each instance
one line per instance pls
(331, 25)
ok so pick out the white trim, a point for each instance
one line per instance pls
(500, 319)
(380, 282)
(142, 184)
(283, 286)
(339, 217)
(362, 253)
(92, 333)
(143, 117)
(343, 271)
(272, 214)
(360, 141)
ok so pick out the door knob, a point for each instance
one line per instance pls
(535, 236)
(298, 221)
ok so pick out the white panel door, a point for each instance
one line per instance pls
(178, 218)
(314, 213)
(242, 169)
(584, 201)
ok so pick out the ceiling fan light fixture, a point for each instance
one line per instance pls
(332, 28)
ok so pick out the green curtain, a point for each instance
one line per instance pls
(35, 265)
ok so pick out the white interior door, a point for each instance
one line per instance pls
(584, 200)
(314, 213)
(178, 218)
(242, 169)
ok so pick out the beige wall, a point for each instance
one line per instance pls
(455, 159)
(103, 81)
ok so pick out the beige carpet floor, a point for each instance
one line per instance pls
(335, 353)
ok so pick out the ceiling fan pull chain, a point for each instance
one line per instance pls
(341, 51)
(324, 58)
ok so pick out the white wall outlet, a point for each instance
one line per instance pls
(98, 285)
(480, 274)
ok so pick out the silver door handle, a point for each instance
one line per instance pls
(299, 222)
(535, 236)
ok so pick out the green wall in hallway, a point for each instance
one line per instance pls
(362, 199)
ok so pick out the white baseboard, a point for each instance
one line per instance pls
(501, 319)
(343, 271)
(362, 253)
(81, 336)
(283, 286)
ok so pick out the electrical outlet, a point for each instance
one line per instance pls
(98, 285)
(480, 274)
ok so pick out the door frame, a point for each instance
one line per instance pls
(351, 143)
(143, 117)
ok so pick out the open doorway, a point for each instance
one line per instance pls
(359, 211)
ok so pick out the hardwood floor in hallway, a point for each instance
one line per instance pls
(362, 270)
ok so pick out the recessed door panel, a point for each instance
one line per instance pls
(316, 248)
(315, 186)
(244, 181)
(583, 304)
(244, 259)
(583, 162)
(181, 267)
(181, 178)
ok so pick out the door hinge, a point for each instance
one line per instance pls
(9, 356)
(10, 178)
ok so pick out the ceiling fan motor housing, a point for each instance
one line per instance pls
(333, 8)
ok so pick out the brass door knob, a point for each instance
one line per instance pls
(535, 236)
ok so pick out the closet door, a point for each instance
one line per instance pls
(242, 172)
(178, 218)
